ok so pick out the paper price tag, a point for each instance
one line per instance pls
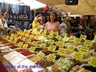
(93, 61)
(83, 37)
(50, 36)
(65, 39)
(43, 45)
(95, 37)
(84, 49)
(25, 46)
(51, 57)
(14, 41)
(20, 44)
(52, 48)
(60, 43)
(72, 37)
(78, 55)
(40, 55)
(34, 43)
(51, 41)
(61, 51)
(32, 49)
(88, 43)
(58, 37)
(71, 47)
(64, 34)
(77, 40)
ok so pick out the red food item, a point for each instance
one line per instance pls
(24, 52)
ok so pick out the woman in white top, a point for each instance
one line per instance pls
(3, 24)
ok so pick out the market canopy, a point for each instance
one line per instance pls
(84, 7)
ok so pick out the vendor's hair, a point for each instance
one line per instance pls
(55, 16)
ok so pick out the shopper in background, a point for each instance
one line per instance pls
(52, 24)
(3, 24)
(63, 27)
(37, 21)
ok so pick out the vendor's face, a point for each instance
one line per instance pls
(52, 16)
(5, 15)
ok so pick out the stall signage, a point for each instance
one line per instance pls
(52, 48)
(78, 55)
(60, 43)
(25, 46)
(88, 43)
(84, 49)
(93, 61)
(43, 45)
(32, 49)
(61, 51)
(77, 40)
(50, 41)
(83, 37)
(40, 55)
(51, 57)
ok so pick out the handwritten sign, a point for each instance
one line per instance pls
(52, 48)
(88, 43)
(65, 39)
(84, 49)
(64, 34)
(58, 37)
(25, 46)
(83, 37)
(71, 47)
(43, 45)
(40, 55)
(60, 43)
(51, 41)
(20, 44)
(78, 55)
(93, 61)
(51, 57)
(34, 43)
(61, 51)
(32, 49)
(77, 40)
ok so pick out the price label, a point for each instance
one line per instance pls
(84, 49)
(95, 37)
(60, 43)
(93, 61)
(32, 49)
(34, 43)
(64, 34)
(56, 33)
(51, 57)
(83, 37)
(51, 41)
(50, 36)
(72, 37)
(31, 36)
(65, 39)
(61, 51)
(25, 46)
(43, 45)
(78, 55)
(15, 41)
(58, 37)
(88, 43)
(20, 44)
(52, 48)
(52, 32)
(71, 47)
(77, 40)
(40, 55)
